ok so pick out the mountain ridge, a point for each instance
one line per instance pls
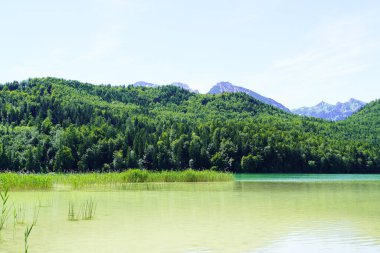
(337, 112)
(322, 110)
(152, 85)
(224, 86)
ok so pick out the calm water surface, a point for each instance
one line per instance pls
(261, 213)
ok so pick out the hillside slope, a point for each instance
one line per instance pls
(50, 124)
(364, 124)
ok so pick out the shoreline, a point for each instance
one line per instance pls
(18, 181)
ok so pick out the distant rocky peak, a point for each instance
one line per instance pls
(144, 84)
(336, 112)
(184, 86)
(323, 103)
(225, 84)
(353, 100)
(229, 87)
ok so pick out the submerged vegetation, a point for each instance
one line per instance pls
(55, 125)
(18, 215)
(48, 181)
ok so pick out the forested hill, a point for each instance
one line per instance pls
(364, 124)
(50, 124)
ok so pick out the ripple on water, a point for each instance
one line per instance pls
(326, 238)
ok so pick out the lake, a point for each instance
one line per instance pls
(256, 213)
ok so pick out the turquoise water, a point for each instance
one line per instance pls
(255, 214)
(307, 177)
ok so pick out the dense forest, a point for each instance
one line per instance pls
(56, 125)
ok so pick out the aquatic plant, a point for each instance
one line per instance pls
(71, 215)
(26, 181)
(36, 214)
(29, 229)
(4, 208)
(77, 181)
(27, 232)
(86, 211)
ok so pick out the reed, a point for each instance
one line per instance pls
(4, 208)
(27, 232)
(25, 181)
(71, 216)
(48, 181)
(86, 211)
(29, 229)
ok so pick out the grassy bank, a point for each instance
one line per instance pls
(48, 181)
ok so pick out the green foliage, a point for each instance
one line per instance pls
(247, 163)
(64, 159)
(56, 125)
(118, 160)
(251, 163)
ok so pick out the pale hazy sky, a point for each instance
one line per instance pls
(296, 52)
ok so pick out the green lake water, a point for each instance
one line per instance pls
(256, 213)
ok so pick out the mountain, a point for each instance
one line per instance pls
(144, 84)
(57, 125)
(222, 87)
(336, 112)
(184, 86)
(152, 85)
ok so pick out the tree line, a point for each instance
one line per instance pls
(56, 125)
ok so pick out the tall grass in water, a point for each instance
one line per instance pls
(47, 181)
(19, 216)
(27, 232)
(26, 181)
(143, 176)
(4, 208)
(29, 229)
(71, 216)
(88, 210)
(85, 212)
